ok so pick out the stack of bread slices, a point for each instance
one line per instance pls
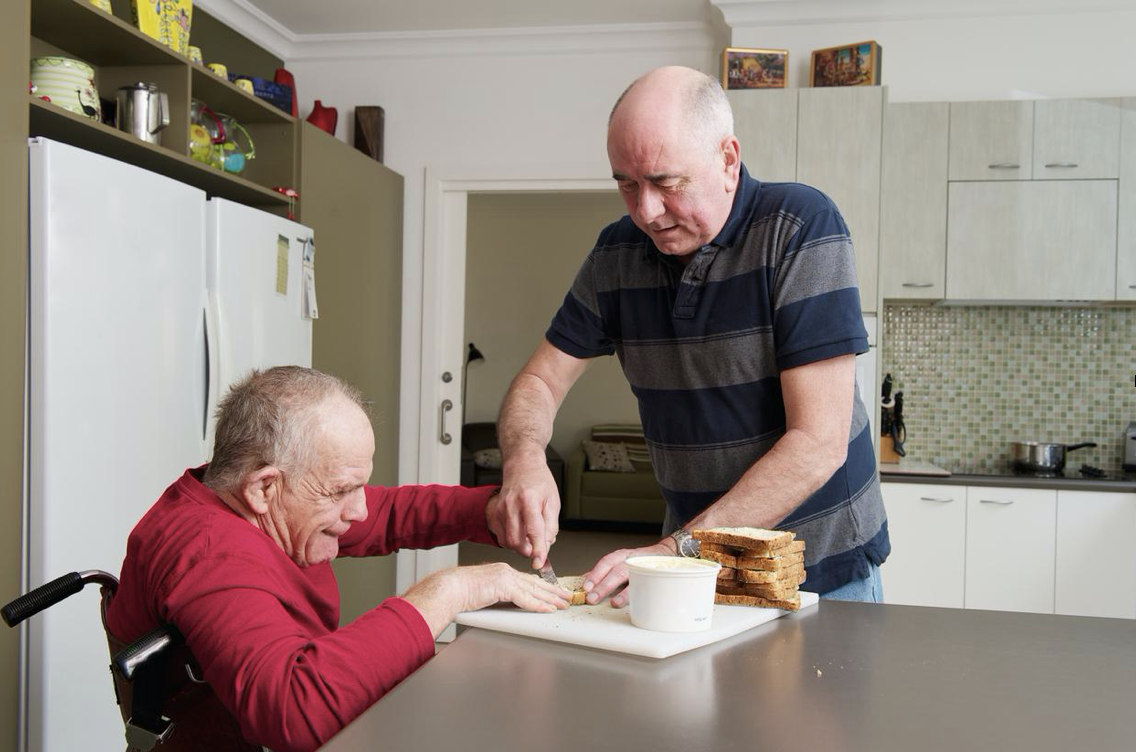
(759, 567)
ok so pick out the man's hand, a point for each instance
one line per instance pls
(610, 572)
(524, 515)
(443, 595)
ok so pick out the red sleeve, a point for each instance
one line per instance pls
(418, 517)
(292, 684)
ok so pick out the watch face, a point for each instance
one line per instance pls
(689, 547)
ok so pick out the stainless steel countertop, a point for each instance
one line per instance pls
(1015, 481)
(842, 676)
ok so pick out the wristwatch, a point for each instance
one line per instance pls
(687, 545)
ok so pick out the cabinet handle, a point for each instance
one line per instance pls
(1004, 166)
(1132, 287)
(1061, 164)
(920, 285)
(1001, 502)
(935, 498)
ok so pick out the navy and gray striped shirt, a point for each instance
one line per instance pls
(703, 346)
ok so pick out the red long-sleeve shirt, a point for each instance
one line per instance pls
(266, 631)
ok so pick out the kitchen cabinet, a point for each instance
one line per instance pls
(839, 131)
(913, 200)
(122, 55)
(765, 123)
(1010, 548)
(354, 206)
(991, 140)
(927, 526)
(1076, 139)
(1032, 240)
(1096, 554)
(1126, 227)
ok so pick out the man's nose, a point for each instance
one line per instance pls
(650, 205)
(356, 509)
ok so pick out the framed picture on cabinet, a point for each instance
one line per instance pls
(850, 65)
(745, 68)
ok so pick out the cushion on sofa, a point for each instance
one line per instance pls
(608, 457)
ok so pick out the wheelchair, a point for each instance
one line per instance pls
(163, 703)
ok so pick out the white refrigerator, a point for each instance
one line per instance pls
(145, 301)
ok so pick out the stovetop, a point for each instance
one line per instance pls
(1084, 472)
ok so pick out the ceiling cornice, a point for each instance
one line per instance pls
(745, 13)
(289, 46)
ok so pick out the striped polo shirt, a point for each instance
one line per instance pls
(703, 346)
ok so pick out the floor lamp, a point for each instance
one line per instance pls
(472, 355)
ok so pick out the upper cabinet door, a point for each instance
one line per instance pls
(991, 140)
(913, 200)
(1032, 240)
(765, 122)
(1126, 228)
(1076, 139)
(838, 151)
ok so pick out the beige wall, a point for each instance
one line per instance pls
(523, 252)
(13, 281)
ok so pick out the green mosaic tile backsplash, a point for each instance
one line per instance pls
(975, 379)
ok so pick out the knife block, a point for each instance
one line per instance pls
(887, 451)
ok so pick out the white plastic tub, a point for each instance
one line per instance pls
(672, 593)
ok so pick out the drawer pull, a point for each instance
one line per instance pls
(920, 285)
(1132, 287)
(1000, 502)
(1004, 166)
(1061, 164)
(935, 498)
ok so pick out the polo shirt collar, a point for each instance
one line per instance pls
(730, 233)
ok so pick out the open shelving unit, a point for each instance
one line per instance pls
(122, 55)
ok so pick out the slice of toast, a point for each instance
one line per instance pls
(726, 560)
(727, 574)
(788, 604)
(719, 548)
(750, 538)
(767, 564)
(770, 590)
(794, 574)
(574, 585)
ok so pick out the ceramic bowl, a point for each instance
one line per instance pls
(672, 593)
(68, 83)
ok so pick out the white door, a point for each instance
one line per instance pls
(1010, 549)
(927, 527)
(116, 399)
(255, 281)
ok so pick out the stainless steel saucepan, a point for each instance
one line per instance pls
(1043, 456)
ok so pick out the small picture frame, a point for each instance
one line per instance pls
(848, 65)
(746, 68)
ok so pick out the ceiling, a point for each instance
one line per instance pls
(369, 16)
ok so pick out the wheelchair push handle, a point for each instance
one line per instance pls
(53, 592)
(149, 645)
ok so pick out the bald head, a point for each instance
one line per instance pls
(688, 101)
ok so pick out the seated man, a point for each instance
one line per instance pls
(236, 554)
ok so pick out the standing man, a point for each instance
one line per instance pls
(734, 310)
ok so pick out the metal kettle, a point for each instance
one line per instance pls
(143, 111)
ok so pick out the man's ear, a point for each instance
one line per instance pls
(732, 162)
(260, 488)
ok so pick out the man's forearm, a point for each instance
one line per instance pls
(524, 426)
(796, 466)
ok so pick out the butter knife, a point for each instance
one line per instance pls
(547, 574)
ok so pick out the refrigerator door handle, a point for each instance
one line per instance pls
(212, 373)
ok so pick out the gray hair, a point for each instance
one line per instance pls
(272, 418)
(707, 109)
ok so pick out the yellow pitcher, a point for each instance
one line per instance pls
(167, 21)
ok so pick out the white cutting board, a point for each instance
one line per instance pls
(607, 628)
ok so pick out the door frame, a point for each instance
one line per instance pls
(447, 190)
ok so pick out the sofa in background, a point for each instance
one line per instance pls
(600, 499)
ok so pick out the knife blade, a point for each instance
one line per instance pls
(547, 573)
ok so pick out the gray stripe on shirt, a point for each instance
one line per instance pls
(700, 362)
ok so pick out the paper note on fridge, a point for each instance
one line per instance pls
(282, 247)
(311, 310)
